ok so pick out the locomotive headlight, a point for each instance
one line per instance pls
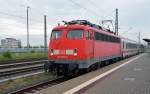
(52, 52)
(75, 52)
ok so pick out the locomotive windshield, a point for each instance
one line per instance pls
(56, 34)
(75, 34)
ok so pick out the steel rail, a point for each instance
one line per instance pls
(3, 66)
(35, 87)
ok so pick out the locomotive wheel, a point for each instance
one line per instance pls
(84, 70)
(76, 72)
(96, 66)
(99, 64)
(102, 64)
(106, 63)
(111, 61)
(59, 71)
(88, 70)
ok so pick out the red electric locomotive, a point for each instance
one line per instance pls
(80, 45)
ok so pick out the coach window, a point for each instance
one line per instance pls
(75, 34)
(87, 35)
(56, 34)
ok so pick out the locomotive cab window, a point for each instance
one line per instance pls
(56, 34)
(75, 34)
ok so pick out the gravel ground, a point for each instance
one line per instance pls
(11, 85)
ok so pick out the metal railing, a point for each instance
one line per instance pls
(21, 49)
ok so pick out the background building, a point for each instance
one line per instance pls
(10, 43)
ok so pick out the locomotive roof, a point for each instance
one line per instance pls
(86, 25)
(78, 26)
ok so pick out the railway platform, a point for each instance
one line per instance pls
(129, 76)
(133, 78)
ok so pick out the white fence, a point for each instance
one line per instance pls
(21, 49)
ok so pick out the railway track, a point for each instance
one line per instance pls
(22, 68)
(18, 70)
(42, 85)
(4, 66)
(36, 87)
(13, 71)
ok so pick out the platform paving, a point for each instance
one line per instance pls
(134, 78)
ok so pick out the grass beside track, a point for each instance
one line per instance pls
(12, 85)
(22, 56)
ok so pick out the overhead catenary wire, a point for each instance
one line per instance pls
(17, 16)
(88, 10)
(101, 9)
(20, 17)
(98, 8)
(19, 26)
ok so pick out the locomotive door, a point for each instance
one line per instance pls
(91, 40)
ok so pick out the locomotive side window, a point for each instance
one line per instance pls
(56, 34)
(73, 34)
(107, 38)
(96, 36)
(87, 35)
(90, 35)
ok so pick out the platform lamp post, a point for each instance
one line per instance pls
(28, 44)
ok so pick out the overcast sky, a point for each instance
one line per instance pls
(134, 16)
